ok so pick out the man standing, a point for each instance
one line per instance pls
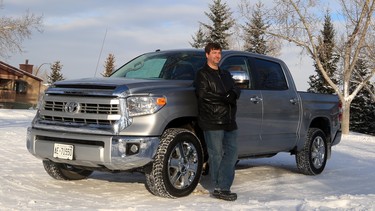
(217, 96)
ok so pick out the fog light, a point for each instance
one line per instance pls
(122, 148)
(132, 148)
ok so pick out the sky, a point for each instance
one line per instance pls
(347, 182)
(81, 34)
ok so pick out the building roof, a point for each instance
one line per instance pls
(17, 71)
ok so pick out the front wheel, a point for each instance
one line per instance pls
(177, 167)
(62, 171)
(312, 159)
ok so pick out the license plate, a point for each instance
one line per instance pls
(63, 151)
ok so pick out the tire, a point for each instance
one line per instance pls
(177, 167)
(61, 171)
(312, 159)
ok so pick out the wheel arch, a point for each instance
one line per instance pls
(190, 123)
(323, 124)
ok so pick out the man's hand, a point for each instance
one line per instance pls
(231, 97)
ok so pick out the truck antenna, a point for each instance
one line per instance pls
(101, 50)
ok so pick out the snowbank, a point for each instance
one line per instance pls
(261, 184)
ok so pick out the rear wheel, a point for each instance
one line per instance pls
(177, 167)
(312, 159)
(62, 171)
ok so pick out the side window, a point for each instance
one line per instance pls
(239, 68)
(187, 68)
(21, 87)
(269, 75)
(183, 71)
(183, 67)
(6, 84)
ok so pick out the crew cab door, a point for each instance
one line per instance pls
(249, 105)
(280, 107)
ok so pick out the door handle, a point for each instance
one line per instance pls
(256, 99)
(293, 101)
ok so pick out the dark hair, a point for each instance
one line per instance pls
(212, 46)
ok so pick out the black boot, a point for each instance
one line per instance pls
(224, 195)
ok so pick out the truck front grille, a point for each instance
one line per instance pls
(79, 111)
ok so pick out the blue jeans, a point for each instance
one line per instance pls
(222, 152)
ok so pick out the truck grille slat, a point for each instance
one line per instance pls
(85, 107)
(78, 120)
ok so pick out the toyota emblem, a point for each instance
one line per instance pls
(72, 107)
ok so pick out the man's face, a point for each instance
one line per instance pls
(213, 58)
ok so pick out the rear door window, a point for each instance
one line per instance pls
(269, 75)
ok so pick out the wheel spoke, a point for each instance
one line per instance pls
(193, 168)
(185, 180)
(317, 162)
(318, 152)
(189, 152)
(180, 150)
(174, 163)
(174, 178)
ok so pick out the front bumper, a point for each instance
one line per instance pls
(94, 151)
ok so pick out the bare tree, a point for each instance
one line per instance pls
(13, 31)
(298, 21)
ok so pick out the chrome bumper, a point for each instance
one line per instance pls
(96, 151)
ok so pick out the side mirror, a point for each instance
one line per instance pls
(241, 78)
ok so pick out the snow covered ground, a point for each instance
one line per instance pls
(261, 184)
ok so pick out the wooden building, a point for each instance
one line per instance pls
(19, 88)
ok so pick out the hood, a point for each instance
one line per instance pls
(114, 86)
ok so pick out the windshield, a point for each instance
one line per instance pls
(163, 65)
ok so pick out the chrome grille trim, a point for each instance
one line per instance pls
(78, 120)
(88, 108)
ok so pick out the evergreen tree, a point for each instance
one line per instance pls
(255, 38)
(56, 74)
(328, 58)
(362, 109)
(222, 22)
(199, 41)
(109, 65)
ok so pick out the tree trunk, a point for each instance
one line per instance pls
(345, 117)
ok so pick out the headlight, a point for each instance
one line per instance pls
(143, 105)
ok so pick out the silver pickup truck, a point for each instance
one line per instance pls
(143, 118)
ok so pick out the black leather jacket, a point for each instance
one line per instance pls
(215, 112)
